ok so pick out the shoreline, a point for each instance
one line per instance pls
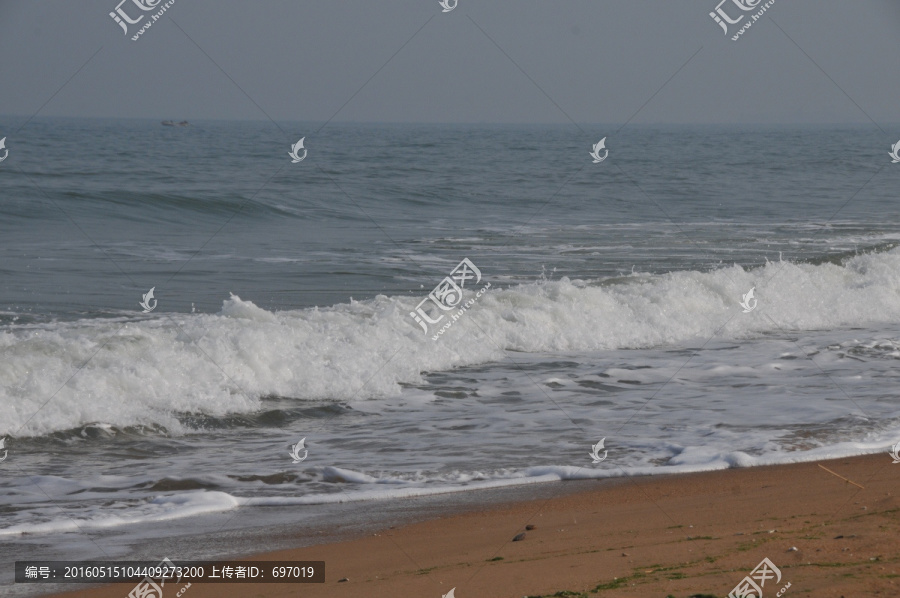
(678, 535)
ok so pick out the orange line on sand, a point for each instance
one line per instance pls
(840, 476)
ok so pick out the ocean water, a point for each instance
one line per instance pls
(285, 290)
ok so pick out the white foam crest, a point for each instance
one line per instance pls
(146, 372)
(163, 508)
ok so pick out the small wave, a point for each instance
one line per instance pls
(163, 508)
(188, 502)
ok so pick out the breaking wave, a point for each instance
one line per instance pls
(147, 372)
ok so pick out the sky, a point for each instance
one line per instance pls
(486, 61)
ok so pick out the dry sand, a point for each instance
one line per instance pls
(684, 535)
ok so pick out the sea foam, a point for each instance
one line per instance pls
(133, 372)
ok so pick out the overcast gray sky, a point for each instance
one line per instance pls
(598, 61)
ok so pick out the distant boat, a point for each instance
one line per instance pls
(172, 123)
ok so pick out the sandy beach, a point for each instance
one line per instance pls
(681, 536)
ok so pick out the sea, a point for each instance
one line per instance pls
(705, 297)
